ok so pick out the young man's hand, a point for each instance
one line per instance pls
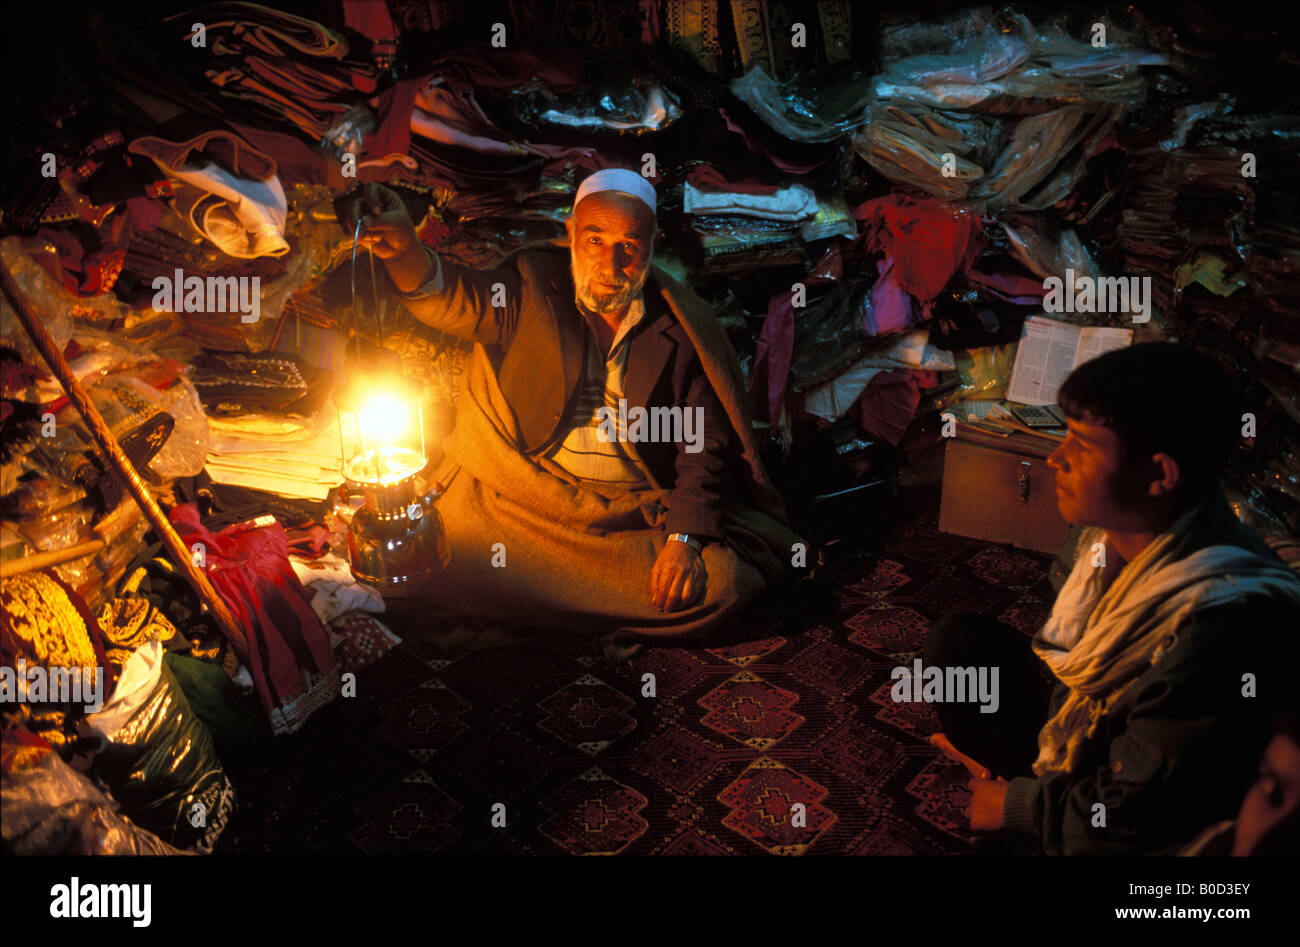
(386, 229)
(678, 577)
(978, 770)
(987, 797)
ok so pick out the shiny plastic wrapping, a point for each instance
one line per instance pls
(1004, 64)
(1044, 250)
(908, 143)
(1044, 158)
(803, 112)
(51, 809)
(160, 763)
(43, 292)
(186, 448)
(626, 106)
(828, 333)
(971, 47)
(984, 372)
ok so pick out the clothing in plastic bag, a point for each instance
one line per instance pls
(51, 299)
(634, 104)
(910, 144)
(51, 809)
(1044, 158)
(818, 113)
(159, 760)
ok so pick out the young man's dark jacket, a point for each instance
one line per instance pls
(1180, 748)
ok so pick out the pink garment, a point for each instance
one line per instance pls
(928, 240)
(892, 309)
(1020, 290)
(250, 570)
(775, 348)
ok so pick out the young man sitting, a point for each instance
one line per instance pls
(1138, 711)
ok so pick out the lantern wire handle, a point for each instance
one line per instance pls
(374, 297)
(374, 291)
(356, 236)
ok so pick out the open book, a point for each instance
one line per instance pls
(1049, 350)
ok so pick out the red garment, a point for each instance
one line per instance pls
(82, 273)
(392, 135)
(789, 167)
(250, 570)
(370, 19)
(708, 178)
(929, 241)
(309, 540)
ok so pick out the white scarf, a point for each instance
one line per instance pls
(1110, 624)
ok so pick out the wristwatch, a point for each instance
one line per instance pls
(688, 539)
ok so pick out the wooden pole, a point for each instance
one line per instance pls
(106, 530)
(118, 461)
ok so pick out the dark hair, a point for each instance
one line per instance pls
(1286, 723)
(1161, 397)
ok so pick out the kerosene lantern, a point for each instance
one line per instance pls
(396, 537)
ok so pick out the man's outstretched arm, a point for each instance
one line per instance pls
(479, 306)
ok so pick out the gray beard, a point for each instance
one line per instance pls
(611, 302)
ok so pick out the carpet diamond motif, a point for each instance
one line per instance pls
(751, 710)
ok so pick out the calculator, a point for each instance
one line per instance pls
(1038, 416)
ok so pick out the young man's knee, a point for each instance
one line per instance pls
(949, 638)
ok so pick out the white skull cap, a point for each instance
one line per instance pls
(618, 179)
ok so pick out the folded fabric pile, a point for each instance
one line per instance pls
(271, 424)
(294, 457)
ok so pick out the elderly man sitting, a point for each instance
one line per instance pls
(602, 475)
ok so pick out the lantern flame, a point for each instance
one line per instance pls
(384, 419)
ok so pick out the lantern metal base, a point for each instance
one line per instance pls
(387, 552)
(397, 537)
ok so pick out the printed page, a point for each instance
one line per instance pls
(1098, 340)
(1044, 359)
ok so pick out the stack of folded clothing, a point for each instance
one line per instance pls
(271, 423)
(295, 457)
(995, 111)
(745, 225)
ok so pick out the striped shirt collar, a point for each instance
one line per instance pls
(635, 316)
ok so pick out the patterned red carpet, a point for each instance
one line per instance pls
(564, 754)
